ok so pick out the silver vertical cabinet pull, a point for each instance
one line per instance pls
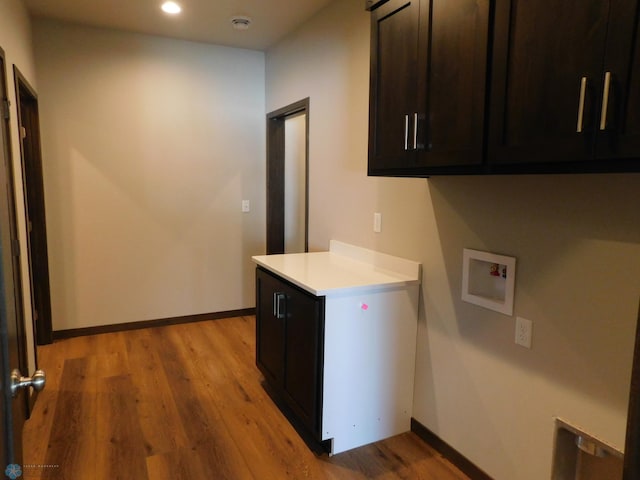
(415, 131)
(583, 91)
(605, 101)
(278, 309)
(406, 132)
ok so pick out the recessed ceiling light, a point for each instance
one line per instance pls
(171, 8)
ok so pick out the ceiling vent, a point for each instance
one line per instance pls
(240, 22)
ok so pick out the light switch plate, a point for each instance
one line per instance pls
(377, 222)
(246, 206)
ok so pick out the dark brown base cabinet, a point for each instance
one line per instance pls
(335, 341)
(290, 345)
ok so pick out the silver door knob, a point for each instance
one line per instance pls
(19, 382)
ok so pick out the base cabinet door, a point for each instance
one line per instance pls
(304, 357)
(270, 327)
(290, 345)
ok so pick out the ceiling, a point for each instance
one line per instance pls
(201, 20)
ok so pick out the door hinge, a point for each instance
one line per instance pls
(23, 132)
(5, 108)
(30, 227)
(35, 314)
(15, 246)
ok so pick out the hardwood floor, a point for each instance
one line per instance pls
(185, 402)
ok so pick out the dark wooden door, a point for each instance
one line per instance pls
(393, 106)
(545, 53)
(32, 173)
(270, 327)
(304, 356)
(619, 126)
(12, 338)
(452, 131)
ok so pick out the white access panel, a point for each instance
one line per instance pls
(488, 280)
(369, 365)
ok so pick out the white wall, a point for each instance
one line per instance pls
(15, 40)
(576, 238)
(329, 57)
(149, 146)
(295, 178)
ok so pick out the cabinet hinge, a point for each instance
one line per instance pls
(5, 108)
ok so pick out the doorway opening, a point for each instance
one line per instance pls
(38, 257)
(288, 179)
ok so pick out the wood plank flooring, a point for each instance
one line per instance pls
(185, 402)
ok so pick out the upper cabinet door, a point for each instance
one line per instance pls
(393, 93)
(428, 86)
(547, 80)
(454, 41)
(619, 122)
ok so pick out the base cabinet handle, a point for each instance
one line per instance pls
(279, 299)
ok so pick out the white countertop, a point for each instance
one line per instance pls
(343, 268)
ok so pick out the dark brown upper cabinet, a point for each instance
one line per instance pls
(565, 91)
(371, 4)
(394, 99)
(428, 86)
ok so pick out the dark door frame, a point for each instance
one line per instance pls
(33, 184)
(275, 175)
(632, 443)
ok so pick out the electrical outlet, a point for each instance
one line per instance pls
(524, 330)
